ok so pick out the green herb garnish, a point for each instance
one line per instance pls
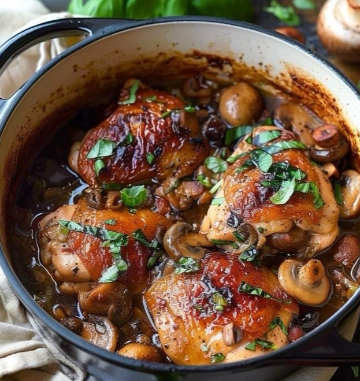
(236, 133)
(217, 357)
(284, 145)
(186, 265)
(278, 322)
(283, 195)
(219, 301)
(264, 344)
(221, 242)
(338, 194)
(132, 95)
(172, 187)
(133, 196)
(110, 222)
(215, 164)
(141, 238)
(265, 137)
(217, 200)
(249, 255)
(261, 159)
(355, 370)
(306, 5)
(203, 180)
(285, 14)
(216, 187)
(98, 166)
(256, 291)
(150, 157)
(102, 148)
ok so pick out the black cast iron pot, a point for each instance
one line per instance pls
(117, 49)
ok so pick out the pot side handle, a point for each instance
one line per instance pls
(329, 348)
(46, 31)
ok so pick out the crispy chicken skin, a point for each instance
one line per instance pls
(79, 257)
(172, 139)
(185, 309)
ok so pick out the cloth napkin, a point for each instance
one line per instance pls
(25, 352)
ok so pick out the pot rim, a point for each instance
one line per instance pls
(115, 26)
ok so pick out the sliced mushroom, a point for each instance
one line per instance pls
(195, 87)
(214, 129)
(100, 331)
(231, 334)
(329, 146)
(338, 28)
(241, 104)
(290, 242)
(347, 250)
(95, 199)
(111, 299)
(179, 242)
(307, 283)
(298, 119)
(140, 351)
(349, 187)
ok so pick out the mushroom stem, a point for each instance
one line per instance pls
(312, 272)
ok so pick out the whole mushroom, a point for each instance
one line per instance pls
(307, 282)
(338, 28)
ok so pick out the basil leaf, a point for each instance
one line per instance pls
(283, 195)
(234, 9)
(261, 159)
(219, 301)
(355, 370)
(203, 180)
(150, 157)
(98, 166)
(236, 133)
(278, 322)
(172, 187)
(216, 187)
(98, 8)
(110, 222)
(264, 344)
(186, 265)
(284, 145)
(285, 14)
(239, 236)
(318, 201)
(265, 137)
(133, 196)
(110, 275)
(132, 95)
(141, 238)
(222, 242)
(231, 159)
(307, 5)
(129, 139)
(216, 164)
(102, 148)
(216, 358)
(256, 291)
(338, 194)
(217, 201)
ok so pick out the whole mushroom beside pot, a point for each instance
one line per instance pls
(338, 28)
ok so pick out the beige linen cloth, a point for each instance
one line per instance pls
(25, 353)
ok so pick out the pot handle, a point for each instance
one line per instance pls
(48, 30)
(329, 348)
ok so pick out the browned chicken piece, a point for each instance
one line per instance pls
(152, 136)
(210, 315)
(74, 256)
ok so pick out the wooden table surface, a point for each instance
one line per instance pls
(351, 70)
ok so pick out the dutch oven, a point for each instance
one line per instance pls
(116, 49)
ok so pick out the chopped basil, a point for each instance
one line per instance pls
(283, 195)
(285, 14)
(222, 242)
(239, 236)
(186, 265)
(278, 322)
(216, 187)
(355, 370)
(215, 164)
(338, 194)
(132, 95)
(203, 180)
(256, 291)
(110, 222)
(236, 133)
(284, 145)
(264, 344)
(248, 164)
(112, 239)
(141, 238)
(102, 148)
(265, 137)
(231, 159)
(129, 139)
(217, 357)
(189, 109)
(98, 166)
(217, 201)
(153, 259)
(219, 301)
(261, 159)
(172, 187)
(134, 196)
(306, 5)
(150, 157)
(249, 255)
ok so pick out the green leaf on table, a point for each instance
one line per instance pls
(141, 9)
(234, 9)
(286, 14)
(306, 5)
(98, 8)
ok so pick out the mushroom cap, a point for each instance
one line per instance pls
(338, 28)
(312, 294)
